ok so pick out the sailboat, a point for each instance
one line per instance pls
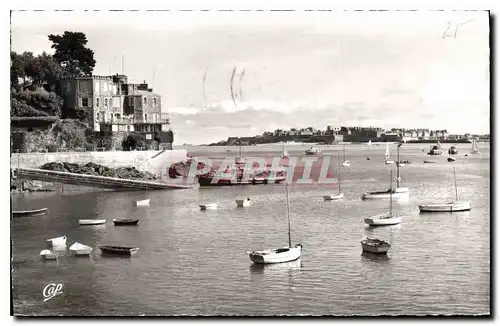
(388, 155)
(454, 206)
(279, 255)
(284, 152)
(475, 148)
(399, 192)
(238, 160)
(340, 194)
(345, 162)
(369, 142)
(390, 218)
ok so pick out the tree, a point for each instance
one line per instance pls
(18, 65)
(71, 53)
(43, 70)
(48, 103)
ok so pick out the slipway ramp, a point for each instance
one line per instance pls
(93, 180)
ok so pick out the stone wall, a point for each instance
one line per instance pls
(156, 162)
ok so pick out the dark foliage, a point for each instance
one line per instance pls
(71, 53)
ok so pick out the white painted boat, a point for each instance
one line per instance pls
(243, 202)
(48, 254)
(274, 256)
(80, 249)
(453, 206)
(383, 219)
(339, 195)
(57, 242)
(388, 155)
(92, 222)
(144, 202)
(389, 218)
(209, 206)
(279, 255)
(312, 151)
(375, 246)
(334, 197)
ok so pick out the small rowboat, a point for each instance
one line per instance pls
(91, 222)
(375, 246)
(243, 202)
(125, 221)
(34, 212)
(427, 161)
(209, 206)
(451, 159)
(334, 197)
(144, 202)
(80, 249)
(48, 254)
(119, 250)
(57, 242)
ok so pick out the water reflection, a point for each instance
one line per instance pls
(276, 268)
(374, 257)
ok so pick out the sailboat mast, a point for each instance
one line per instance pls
(288, 216)
(397, 165)
(456, 189)
(338, 169)
(391, 194)
(343, 156)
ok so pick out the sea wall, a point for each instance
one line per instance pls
(156, 162)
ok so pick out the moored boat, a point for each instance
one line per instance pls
(453, 150)
(118, 250)
(57, 242)
(209, 206)
(49, 254)
(389, 218)
(144, 202)
(279, 255)
(79, 249)
(454, 206)
(388, 155)
(243, 202)
(451, 159)
(340, 194)
(92, 222)
(375, 246)
(435, 149)
(125, 221)
(312, 151)
(33, 212)
(428, 161)
(344, 161)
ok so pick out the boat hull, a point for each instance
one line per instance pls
(461, 206)
(334, 197)
(375, 249)
(48, 255)
(119, 250)
(242, 203)
(34, 212)
(91, 222)
(144, 202)
(276, 256)
(397, 193)
(382, 220)
(79, 249)
(57, 242)
(346, 163)
(126, 221)
(209, 207)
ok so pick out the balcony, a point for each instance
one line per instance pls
(132, 121)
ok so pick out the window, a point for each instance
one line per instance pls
(97, 102)
(128, 127)
(111, 102)
(85, 101)
(145, 101)
(117, 116)
(154, 101)
(111, 116)
(145, 117)
(115, 90)
(97, 90)
(105, 102)
(97, 115)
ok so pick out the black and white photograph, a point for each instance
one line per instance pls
(250, 163)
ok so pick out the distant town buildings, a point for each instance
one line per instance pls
(114, 105)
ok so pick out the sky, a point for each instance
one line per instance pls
(366, 68)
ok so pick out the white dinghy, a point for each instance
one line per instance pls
(345, 162)
(279, 255)
(389, 218)
(92, 222)
(141, 203)
(453, 206)
(57, 242)
(340, 194)
(48, 254)
(243, 202)
(210, 206)
(80, 249)
(388, 155)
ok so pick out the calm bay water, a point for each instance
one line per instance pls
(194, 262)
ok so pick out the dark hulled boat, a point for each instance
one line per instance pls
(119, 250)
(125, 221)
